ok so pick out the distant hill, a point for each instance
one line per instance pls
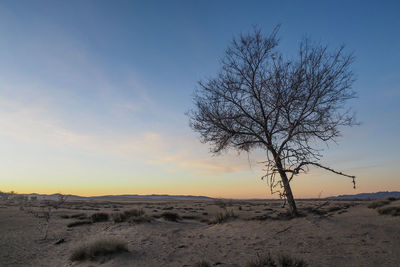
(376, 195)
(121, 197)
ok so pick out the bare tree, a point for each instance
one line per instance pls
(287, 107)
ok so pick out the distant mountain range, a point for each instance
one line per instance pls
(376, 195)
(189, 197)
(121, 197)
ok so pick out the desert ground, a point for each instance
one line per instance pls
(200, 233)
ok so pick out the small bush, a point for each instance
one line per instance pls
(99, 217)
(223, 216)
(394, 211)
(98, 248)
(78, 223)
(134, 215)
(202, 263)
(171, 216)
(378, 204)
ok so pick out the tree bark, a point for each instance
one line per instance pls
(286, 186)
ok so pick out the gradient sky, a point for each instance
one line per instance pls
(93, 95)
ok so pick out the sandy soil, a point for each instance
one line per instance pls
(338, 233)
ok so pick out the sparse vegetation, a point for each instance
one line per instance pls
(224, 216)
(265, 261)
(378, 203)
(98, 248)
(394, 211)
(99, 217)
(132, 216)
(171, 216)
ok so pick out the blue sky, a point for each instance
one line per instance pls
(93, 94)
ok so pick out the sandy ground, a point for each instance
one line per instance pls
(337, 234)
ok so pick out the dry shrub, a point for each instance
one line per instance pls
(223, 216)
(99, 217)
(133, 216)
(394, 211)
(98, 248)
(171, 216)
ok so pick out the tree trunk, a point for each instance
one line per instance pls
(286, 186)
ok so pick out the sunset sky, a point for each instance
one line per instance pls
(93, 95)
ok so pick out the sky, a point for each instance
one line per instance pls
(93, 95)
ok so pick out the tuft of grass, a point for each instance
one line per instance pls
(283, 261)
(99, 217)
(78, 223)
(287, 261)
(133, 215)
(394, 211)
(171, 216)
(224, 216)
(98, 248)
(265, 261)
(202, 263)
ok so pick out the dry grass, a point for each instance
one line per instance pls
(133, 215)
(224, 216)
(282, 261)
(98, 248)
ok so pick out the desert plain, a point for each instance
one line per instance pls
(200, 233)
